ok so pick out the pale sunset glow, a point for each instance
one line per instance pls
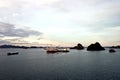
(59, 22)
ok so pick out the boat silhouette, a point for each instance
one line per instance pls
(12, 53)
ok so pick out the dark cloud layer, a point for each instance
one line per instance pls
(10, 30)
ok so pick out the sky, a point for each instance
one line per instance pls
(59, 22)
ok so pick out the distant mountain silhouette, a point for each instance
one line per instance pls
(95, 47)
(13, 46)
(78, 47)
(117, 47)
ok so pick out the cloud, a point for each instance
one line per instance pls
(4, 3)
(2, 42)
(10, 34)
(15, 10)
(24, 3)
(91, 12)
(10, 30)
(82, 17)
(81, 12)
(17, 40)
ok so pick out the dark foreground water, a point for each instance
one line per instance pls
(35, 64)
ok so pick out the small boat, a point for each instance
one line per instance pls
(15, 53)
(56, 49)
(112, 51)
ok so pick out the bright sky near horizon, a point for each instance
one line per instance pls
(60, 22)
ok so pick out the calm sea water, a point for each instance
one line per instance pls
(35, 64)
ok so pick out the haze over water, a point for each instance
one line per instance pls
(36, 64)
